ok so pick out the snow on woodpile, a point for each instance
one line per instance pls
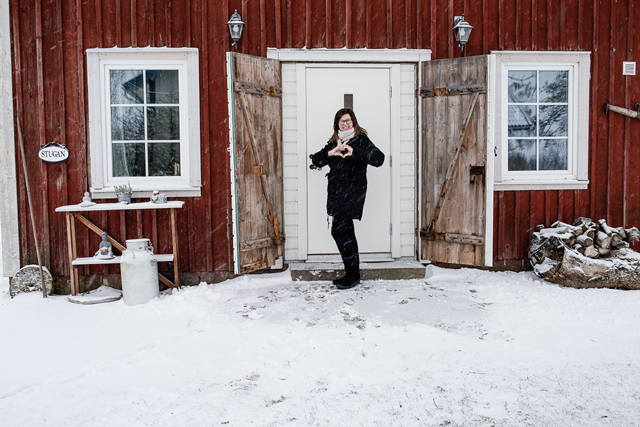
(586, 254)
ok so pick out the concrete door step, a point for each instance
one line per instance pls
(393, 270)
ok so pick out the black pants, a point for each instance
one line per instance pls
(344, 234)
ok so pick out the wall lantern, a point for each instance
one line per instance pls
(462, 30)
(235, 27)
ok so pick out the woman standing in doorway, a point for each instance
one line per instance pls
(347, 153)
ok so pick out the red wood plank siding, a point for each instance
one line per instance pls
(318, 9)
(359, 24)
(219, 139)
(377, 27)
(632, 149)
(50, 37)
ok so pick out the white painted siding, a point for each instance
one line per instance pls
(10, 246)
(291, 161)
(407, 161)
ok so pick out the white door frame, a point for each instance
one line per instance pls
(394, 59)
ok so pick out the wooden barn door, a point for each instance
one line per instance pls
(454, 160)
(255, 125)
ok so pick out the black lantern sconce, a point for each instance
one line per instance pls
(462, 30)
(235, 27)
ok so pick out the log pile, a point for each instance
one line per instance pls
(586, 254)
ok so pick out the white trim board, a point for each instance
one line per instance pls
(350, 55)
(490, 173)
(8, 182)
(232, 166)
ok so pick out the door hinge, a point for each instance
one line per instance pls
(495, 151)
(390, 91)
(390, 161)
(390, 228)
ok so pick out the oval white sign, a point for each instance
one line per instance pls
(53, 153)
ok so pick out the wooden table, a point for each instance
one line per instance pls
(74, 212)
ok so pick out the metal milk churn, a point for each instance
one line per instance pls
(139, 272)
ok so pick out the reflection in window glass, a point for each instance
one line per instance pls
(126, 86)
(162, 87)
(522, 86)
(553, 154)
(128, 159)
(522, 154)
(127, 124)
(164, 159)
(163, 123)
(538, 108)
(145, 107)
(554, 120)
(522, 120)
(554, 86)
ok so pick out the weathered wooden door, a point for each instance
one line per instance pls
(255, 127)
(454, 161)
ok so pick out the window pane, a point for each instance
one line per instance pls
(554, 120)
(164, 159)
(522, 120)
(554, 86)
(127, 124)
(126, 86)
(553, 154)
(348, 100)
(522, 154)
(162, 87)
(163, 123)
(128, 159)
(522, 86)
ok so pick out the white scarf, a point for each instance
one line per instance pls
(346, 135)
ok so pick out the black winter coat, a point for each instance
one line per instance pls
(347, 186)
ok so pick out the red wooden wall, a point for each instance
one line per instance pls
(50, 37)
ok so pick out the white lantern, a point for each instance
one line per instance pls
(235, 27)
(461, 30)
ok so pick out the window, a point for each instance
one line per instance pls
(542, 122)
(144, 120)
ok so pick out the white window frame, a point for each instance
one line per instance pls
(576, 175)
(185, 60)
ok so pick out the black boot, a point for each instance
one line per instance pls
(352, 267)
(341, 280)
(343, 233)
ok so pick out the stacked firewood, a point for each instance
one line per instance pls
(562, 253)
(589, 238)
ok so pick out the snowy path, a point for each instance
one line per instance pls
(461, 348)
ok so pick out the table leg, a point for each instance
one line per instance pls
(74, 249)
(176, 251)
(71, 243)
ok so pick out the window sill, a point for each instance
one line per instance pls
(540, 185)
(108, 193)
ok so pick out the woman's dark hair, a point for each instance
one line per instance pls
(336, 123)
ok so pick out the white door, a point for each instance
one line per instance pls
(367, 91)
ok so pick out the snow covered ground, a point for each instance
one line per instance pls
(459, 348)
